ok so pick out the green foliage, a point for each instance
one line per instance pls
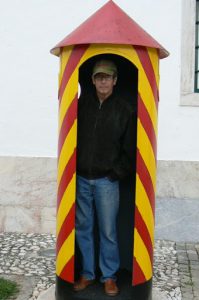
(8, 289)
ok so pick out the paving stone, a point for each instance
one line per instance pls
(180, 246)
(193, 257)
(190, 246)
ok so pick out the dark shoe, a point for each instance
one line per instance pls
(111, 288)
(82, 283)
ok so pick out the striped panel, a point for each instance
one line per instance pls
(147, 125)
(146, 93)
(68, 121)
(67, 176)
(72, 62)
(67, 162)
(67, 149)
(146, 151)
(142, 257)
(140, 277)
(145, 209)
(154, 58)
(66, 229)
(141, 227)
(69, 78)
(68, 96)
(147, 65)
(63, 61)
(145, 178)
(67, 202)
(67, 272)
(146, 167)
(65, 254)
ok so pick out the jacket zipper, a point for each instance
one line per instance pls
(95, 126)
(100, 105)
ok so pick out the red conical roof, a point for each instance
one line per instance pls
(110, 25)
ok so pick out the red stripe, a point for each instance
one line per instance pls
(144, 233)
(66, 229)
(138, 275)
(66, 177)
(72, 63)
(147, 124)
(146, 180)
(68, 272)
(68, 121)
(147, 65)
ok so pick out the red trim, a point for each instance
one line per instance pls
(148, 68)
(72, 63)
(147, 124)
(67, 227)
(68, 121)
(66, 177)
(68, 272)
(138, 275)
(144, 233)
(146, 180)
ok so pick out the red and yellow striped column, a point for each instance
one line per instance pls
(147, 62)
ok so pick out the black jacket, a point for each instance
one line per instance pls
(106, 138)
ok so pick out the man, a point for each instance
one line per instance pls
(104, 156)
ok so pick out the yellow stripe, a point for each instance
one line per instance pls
(146, 151)
(65, 253)
(142, 256)
(144, 207)
(68, 96)
(155, 63)
(66, 203)
(97, 49)
(67, 150)
(63, 61)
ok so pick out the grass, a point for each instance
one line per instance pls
(8, 289)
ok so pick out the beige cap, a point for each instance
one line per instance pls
(106, 67)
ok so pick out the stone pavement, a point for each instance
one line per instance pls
(30, 259)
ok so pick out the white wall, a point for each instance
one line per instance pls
(28, 73)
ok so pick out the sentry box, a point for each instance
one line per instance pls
(110, 33)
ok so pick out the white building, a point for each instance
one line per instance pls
(29, 105)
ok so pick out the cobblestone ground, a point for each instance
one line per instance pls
(26, 254)
(176, 265)
(166, 275)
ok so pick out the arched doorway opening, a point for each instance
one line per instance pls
(127, 89)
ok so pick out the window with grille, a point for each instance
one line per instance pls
(197, 49)
(190, 53)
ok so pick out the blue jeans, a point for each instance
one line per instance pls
(104, 195)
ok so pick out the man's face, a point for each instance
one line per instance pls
(104, 84)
